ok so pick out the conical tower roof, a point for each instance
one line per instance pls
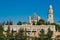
(50, 6)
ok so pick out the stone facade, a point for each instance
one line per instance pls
(34, 18)
(31, 30)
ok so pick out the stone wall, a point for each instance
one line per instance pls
(32, 30)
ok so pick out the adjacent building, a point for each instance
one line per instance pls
(34, 19)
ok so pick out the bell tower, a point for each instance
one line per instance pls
(50, 14)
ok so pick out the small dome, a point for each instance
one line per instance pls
(34, 16)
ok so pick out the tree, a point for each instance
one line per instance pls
(57, 26)
(35, 38)
(40, 22)
(48, 23)
(20, 35)
(16, 36)
(9, 23)
(3, 23)
(49, 34)
(25, 36)
(8, 33)
(19, 23)
(12, 36)
(1, 32)
(24, 22)
(41, 34)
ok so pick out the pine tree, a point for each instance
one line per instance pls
(8, 33)
(41, 34)
(1, 32)
(20, 35)
(49, 34)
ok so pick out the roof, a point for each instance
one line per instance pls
(34, 16)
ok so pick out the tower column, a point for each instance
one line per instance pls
(50, 15)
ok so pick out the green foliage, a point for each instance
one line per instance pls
(20, 35)
(49, 34)
(57, 26)
(25, 35)
(3, 23)
(8, 33)
(19, 23)
(9, 23)
(24, 22)
(40, 22)
(35, 38)
(42, 34)
(47, 23)
(10, 36)
(1, 32)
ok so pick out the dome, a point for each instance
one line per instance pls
(50, 6)
(34, 16)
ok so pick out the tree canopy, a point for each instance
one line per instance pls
(19, 23)
(40, 22)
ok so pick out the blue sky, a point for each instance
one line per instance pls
(20, 10)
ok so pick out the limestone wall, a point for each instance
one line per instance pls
(32, 30)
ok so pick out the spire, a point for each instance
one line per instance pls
(50, 9)
(50, 6)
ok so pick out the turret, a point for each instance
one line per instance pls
(50, 14)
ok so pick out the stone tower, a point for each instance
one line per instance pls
(50, 14)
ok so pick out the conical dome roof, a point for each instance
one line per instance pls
(34, 16)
